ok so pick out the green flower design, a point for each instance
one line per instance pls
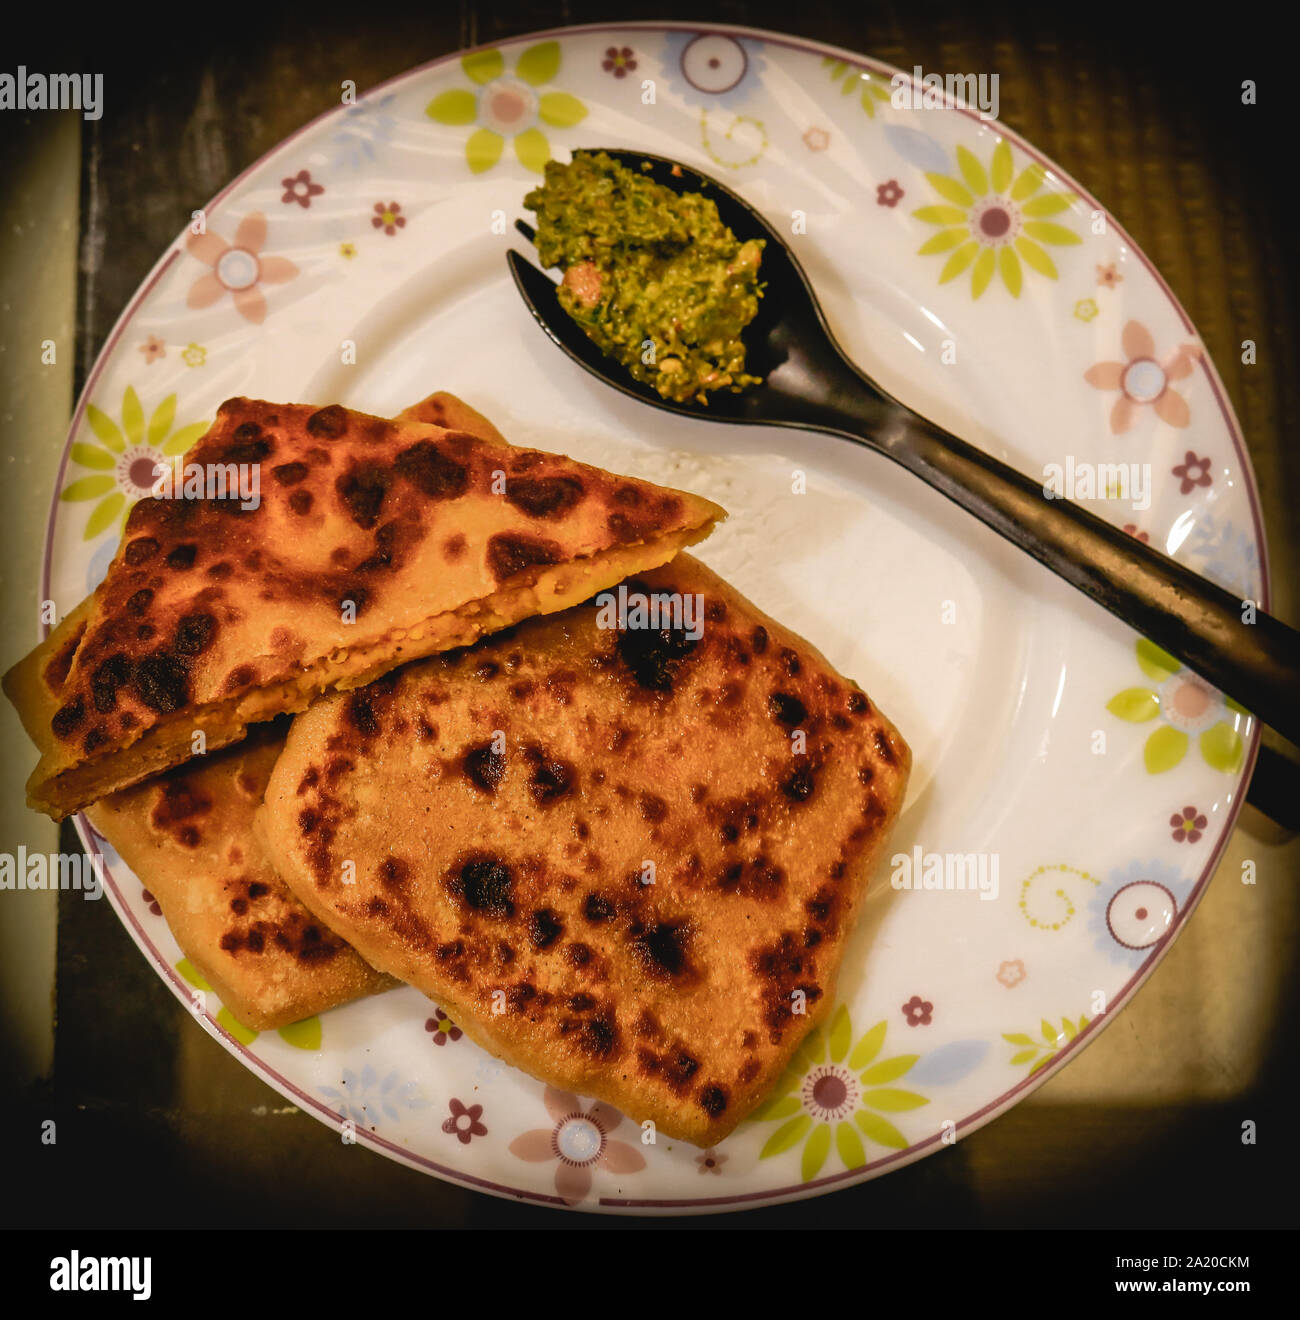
(127, 458)
(1186, 705)
(995, 221)
(872, 88)
(1041, 1052)
(831, 1080)
(508, 106)
(303, 1035)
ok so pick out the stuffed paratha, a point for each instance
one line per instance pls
(188, 836)
(625, 860)
(372, 542)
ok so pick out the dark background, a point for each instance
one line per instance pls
(1140, 103)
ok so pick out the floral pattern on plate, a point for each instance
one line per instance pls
(125, 457)
(1184, 706)
(579, 1142)
(507, 105)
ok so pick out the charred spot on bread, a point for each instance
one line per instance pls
(799, 784)
(194, 633)
(551, 778)
(290, 474)
(482, 882)
(661, 950)
(161, 681)
(180, 803)
(68, 717)
(544, 928)
(545, 497)
(599, 1035)
(598, 908)
(394, 873)
(140, 550)
(484, 766)
(362, 489)
(786, 709)
(431, 472)
(328, 423)
(107, 678)
(654, 654)
(885, 750)
(510, 553)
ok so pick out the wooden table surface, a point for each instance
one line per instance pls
(1144, 108)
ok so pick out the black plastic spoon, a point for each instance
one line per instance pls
(810, 383)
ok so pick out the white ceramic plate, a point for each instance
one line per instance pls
(362, 261)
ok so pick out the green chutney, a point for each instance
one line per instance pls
(653, 277)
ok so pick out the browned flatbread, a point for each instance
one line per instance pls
(188, 835)
(479, 825)
(375, 542)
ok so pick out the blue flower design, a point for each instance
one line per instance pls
(365, 125)
(365, 1099)
(917, 148)
(950, 1063)
(1226, 553)
(97, 569)
(1132, 913)
(713, 68)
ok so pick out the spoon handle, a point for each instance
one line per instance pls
(1244, 652)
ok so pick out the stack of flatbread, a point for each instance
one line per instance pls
(387, 727)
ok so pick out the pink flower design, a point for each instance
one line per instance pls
(888, 193)
(917, 1011)
(153, 348)
(1141, 380)
(299, 188)
(442, 1027)
(1132, 530)
(1011, 972)
(464, 1123)
(618, 61)
(711, 1162)
(1192, 472)
(1188, 825)
(1108, 277)
(817, 139)
(388, 218)
(580, 1140)
(238, 268)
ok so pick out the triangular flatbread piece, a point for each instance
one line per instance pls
(373, 542)
(188, 837)
(626, 860)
